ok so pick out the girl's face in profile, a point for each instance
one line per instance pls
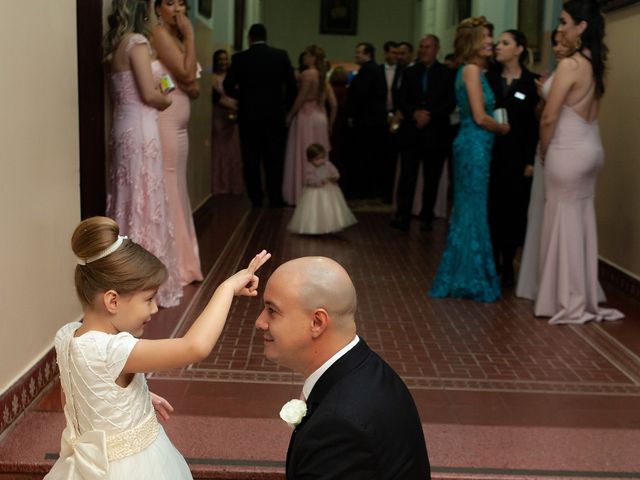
(319, 160)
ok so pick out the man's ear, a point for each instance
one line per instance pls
(320, 322)
(111, 301)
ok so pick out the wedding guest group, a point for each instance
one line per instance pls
(137, 193)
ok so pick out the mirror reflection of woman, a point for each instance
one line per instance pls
(137, 199)
(572, 154)
(174, 41)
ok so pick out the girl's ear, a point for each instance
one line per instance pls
(111, 300)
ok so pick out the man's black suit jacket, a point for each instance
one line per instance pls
(439, 99)
(362, 424)
(395, 84)
(366, 96)
(262, 80)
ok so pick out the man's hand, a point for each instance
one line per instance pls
(161, 406)
(422, 118)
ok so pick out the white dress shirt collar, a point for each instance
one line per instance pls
(315, 376)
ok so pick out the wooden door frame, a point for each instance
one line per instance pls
(91, 108)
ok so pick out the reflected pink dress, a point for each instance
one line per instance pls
(226, 159)
(568, 268)
(173, 124)
(310, 125)
(137, 198)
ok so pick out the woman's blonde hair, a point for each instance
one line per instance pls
(468, 41)
(127, 270)
(127, 16)
(321, 65)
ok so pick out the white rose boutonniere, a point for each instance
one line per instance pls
(293, 412)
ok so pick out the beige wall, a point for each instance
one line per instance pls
(295, 24)
(39, 196)
(618, 196)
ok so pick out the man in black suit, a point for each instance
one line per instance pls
(262, 80)
(391, 74)
(361, 422)
(426, 99)
(366, 98)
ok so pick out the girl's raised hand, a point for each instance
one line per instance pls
(245, 282)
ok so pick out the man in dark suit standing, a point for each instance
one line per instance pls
(361, 422)
(391, 74)
(366, 99)
(262, 80)
(426, 98)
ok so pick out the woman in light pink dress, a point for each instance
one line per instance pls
(226, 159)
(307, 121)
(572, 155)
(174, 41)
(137, 198)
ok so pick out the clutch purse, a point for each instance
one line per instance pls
(500, 115)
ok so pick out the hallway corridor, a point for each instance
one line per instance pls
(501, 394)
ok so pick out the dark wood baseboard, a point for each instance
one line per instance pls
(619, 279)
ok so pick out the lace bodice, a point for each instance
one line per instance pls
(124, 90)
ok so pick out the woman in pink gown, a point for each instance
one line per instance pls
(572, 155)
(174, 41)
(137, 198)
(307, 121)
(226, 159)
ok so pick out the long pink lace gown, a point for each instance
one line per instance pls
(568, 290)
(137, 199)
(310, 125)
(226, 157)
(173, 123)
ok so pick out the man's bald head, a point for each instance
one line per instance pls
(320, 282)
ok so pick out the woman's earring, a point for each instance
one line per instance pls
(578, 43)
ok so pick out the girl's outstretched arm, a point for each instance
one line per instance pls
(154, 355)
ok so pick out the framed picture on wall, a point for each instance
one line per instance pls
(205, 8)
(615, 4)
(530, 19)
(339, 17)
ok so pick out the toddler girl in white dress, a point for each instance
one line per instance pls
(322, 207)
(112, 431)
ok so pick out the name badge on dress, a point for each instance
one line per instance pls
(520, 95)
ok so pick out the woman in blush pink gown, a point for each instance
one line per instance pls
(226, 159)
(174, 41)
(137, 198)
(307, 122)
(572, 155)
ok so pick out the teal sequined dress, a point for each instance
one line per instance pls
(467, 268)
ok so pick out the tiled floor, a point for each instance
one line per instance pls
(501, 393)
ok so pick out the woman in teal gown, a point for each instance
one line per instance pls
(467, 268)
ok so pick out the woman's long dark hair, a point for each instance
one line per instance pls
(216, 59)
(592, 38)
(521, 41)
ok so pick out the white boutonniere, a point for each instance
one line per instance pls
(293, 412)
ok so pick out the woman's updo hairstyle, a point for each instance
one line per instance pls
(521, 41)
(468, 41)
(127, 270)
(592, 38)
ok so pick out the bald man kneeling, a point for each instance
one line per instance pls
(361, 420)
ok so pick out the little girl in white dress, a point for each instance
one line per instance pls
(322, 207)
(112, 431)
